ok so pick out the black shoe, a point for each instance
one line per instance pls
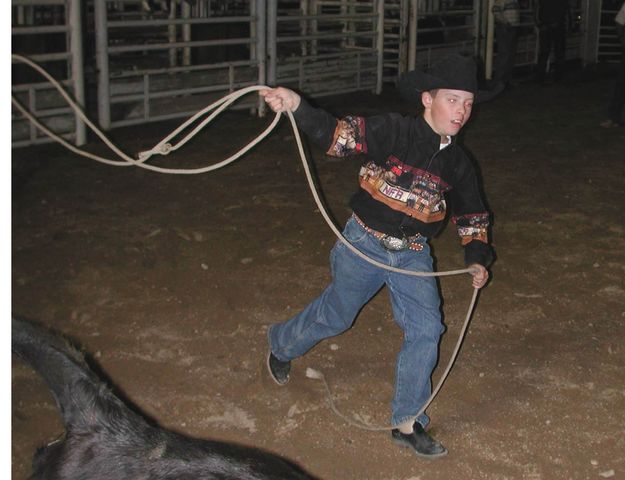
(419, 440)
(278, 369)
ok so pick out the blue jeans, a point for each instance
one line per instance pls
(416, 309)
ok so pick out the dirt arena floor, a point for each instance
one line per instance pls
(170, 282)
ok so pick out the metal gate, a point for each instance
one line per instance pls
(49, 33)
(324, 47)
(576, 37)
(608, 46)
(160, 62)
(396, 38)
(416, 31)
(153, 60)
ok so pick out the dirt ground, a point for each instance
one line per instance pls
(170, 283)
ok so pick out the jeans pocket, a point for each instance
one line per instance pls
(353, 232)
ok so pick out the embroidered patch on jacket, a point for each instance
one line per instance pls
(349, 137)
(472, 227)
(407, 189)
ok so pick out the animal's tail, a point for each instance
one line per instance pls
(77, 390)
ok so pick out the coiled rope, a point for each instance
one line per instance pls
(164, 147)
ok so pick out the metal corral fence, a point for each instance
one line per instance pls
(417, 30)
(528, 44)
(324, 47)
(398, 16)
(449, 26)
(49, 32)
(153, 60)
(608, 46)
(165, 61)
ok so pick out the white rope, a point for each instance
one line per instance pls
(164, 147)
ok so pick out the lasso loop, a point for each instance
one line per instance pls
(164, 147)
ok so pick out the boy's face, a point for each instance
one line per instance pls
(446, 111)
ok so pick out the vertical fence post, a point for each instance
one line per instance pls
(404, 14)
(186, 33)
(477, 16)
(412, 36)
(343, 10)
(379, 45)
(102, 64)
(314, 11)
(592, 26)
(259, 24)
(78, 74)
(490, 40)
(172, 34)
(303, 27)
(253, 30)
(272, 45)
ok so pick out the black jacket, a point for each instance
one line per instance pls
(406, 180)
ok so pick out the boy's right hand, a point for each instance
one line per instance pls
(281, 99)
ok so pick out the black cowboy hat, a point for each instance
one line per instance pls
(454, 71)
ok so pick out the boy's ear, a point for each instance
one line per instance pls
(426, 99)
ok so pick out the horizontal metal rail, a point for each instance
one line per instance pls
(49, 57)
(168, 46)
(48, 112)
(26, 87)
(43, 3)
(333, 17)
(343, 3)
(318, 76)
(326, 36)
(180, 92)
(40, 30)
(190, 68)
(447, 13)
(353, 50)
(172, 116)
(445, 46)
(133, 2)
(173, 21)
(447, 29)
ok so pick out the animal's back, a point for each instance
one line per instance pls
(106, 440)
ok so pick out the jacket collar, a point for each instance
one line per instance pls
(429, 136)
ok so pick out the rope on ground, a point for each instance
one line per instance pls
(164, 147)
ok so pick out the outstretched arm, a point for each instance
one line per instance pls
(338, 138)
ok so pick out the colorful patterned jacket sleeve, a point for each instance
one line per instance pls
(349, 135)
(470, 216)
(339, 138)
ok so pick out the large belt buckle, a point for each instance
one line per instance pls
(394, 243)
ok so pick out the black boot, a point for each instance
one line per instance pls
(278, 369)
(420, 441)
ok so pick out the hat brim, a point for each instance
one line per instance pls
(412, 84)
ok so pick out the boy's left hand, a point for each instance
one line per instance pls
(480, 275)
(281, 99)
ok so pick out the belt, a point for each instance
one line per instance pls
(389, 242)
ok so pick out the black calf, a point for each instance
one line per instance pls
(106, 440)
